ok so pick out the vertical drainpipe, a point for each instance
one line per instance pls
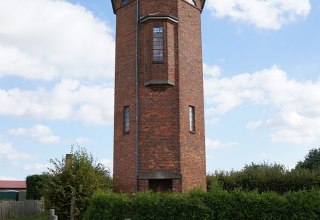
(137, 94)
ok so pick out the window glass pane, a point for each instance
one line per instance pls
(124, 2)
(126, 119)
(192, 2)
(192, 118)
(158, 44)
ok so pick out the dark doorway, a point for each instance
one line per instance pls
(160, 185)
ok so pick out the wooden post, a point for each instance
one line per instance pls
(52, 216)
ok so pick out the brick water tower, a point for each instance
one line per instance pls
(159, 135)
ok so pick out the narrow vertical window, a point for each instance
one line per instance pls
(158, 44)
(126, 119)
(124, 2)
(192, 119)
(192, 2)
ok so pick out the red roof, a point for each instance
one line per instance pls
(13, 184)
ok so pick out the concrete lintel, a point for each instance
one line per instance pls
(159, 82)
(158, 16)
(159, 175)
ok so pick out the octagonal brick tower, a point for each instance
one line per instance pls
(159, 135)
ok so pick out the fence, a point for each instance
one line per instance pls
(20, 208)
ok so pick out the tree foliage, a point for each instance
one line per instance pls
(76, 180)
(311, 160)
(264, 178)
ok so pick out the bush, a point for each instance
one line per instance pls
(36, 185)
(108, 205)
(264, 178)
(216, 204)
(311, 160)
(74, 183)
(304, 204)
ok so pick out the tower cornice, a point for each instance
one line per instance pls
(114, 5)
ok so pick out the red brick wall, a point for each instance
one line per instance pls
(164, 138)
(192, 146)
(157, 70)
(124, 172)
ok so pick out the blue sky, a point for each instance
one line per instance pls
(262, 81)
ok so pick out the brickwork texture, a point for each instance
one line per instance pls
(164, 142)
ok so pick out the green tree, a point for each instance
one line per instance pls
(73, 183)
(311, 160)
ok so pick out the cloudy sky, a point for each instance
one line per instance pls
(262, 81)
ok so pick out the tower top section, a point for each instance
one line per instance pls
(116, 4)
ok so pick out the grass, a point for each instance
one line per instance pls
(39, 216)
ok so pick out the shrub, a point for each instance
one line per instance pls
(264, 178)
(75, 183)
(36, 185)
(311, 160)
(216, 204)
(108, 205)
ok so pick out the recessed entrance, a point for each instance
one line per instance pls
(162, 185)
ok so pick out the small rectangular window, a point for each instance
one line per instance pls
(192, 119)
(124, 2)
(158, 44)
(192, 2)
(126, 119)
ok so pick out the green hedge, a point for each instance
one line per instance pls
(216, 204)
(264, 178)
(35, 186)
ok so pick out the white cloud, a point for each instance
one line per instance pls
(7, 178)
(255, 124)
(107, 164)
(67, 100)
(295, 105)
(43, 134)
(47, 39)
(12, 154)
(296, 127)
(81, 140)
(211, 71)
(215, 144)
(268, 14)
(36, 167)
